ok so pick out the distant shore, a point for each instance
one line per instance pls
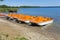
(4, 8)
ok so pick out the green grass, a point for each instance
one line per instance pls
(4, 36)
(7, 9)
(21, 38)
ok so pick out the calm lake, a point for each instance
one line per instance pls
(47, 12)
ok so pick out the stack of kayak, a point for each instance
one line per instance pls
(2, 15)
(28, 19)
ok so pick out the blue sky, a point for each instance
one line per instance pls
(31, 2)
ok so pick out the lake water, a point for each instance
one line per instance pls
(48, 12)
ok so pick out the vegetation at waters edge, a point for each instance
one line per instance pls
(29, 6)
(39, 7)
(5, 8)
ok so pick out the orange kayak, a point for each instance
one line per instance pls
(39, 20)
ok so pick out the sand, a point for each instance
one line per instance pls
(32, 33)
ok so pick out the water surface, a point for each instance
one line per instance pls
(47, 12)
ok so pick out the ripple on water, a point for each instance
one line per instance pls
(55, 28)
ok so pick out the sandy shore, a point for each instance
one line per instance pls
(31, 33)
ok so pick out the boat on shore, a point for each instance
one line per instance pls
(2, 15)
(28, 19)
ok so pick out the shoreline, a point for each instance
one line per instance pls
(29, 31)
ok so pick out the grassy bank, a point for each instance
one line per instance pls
(4, 36)
(7, 9)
